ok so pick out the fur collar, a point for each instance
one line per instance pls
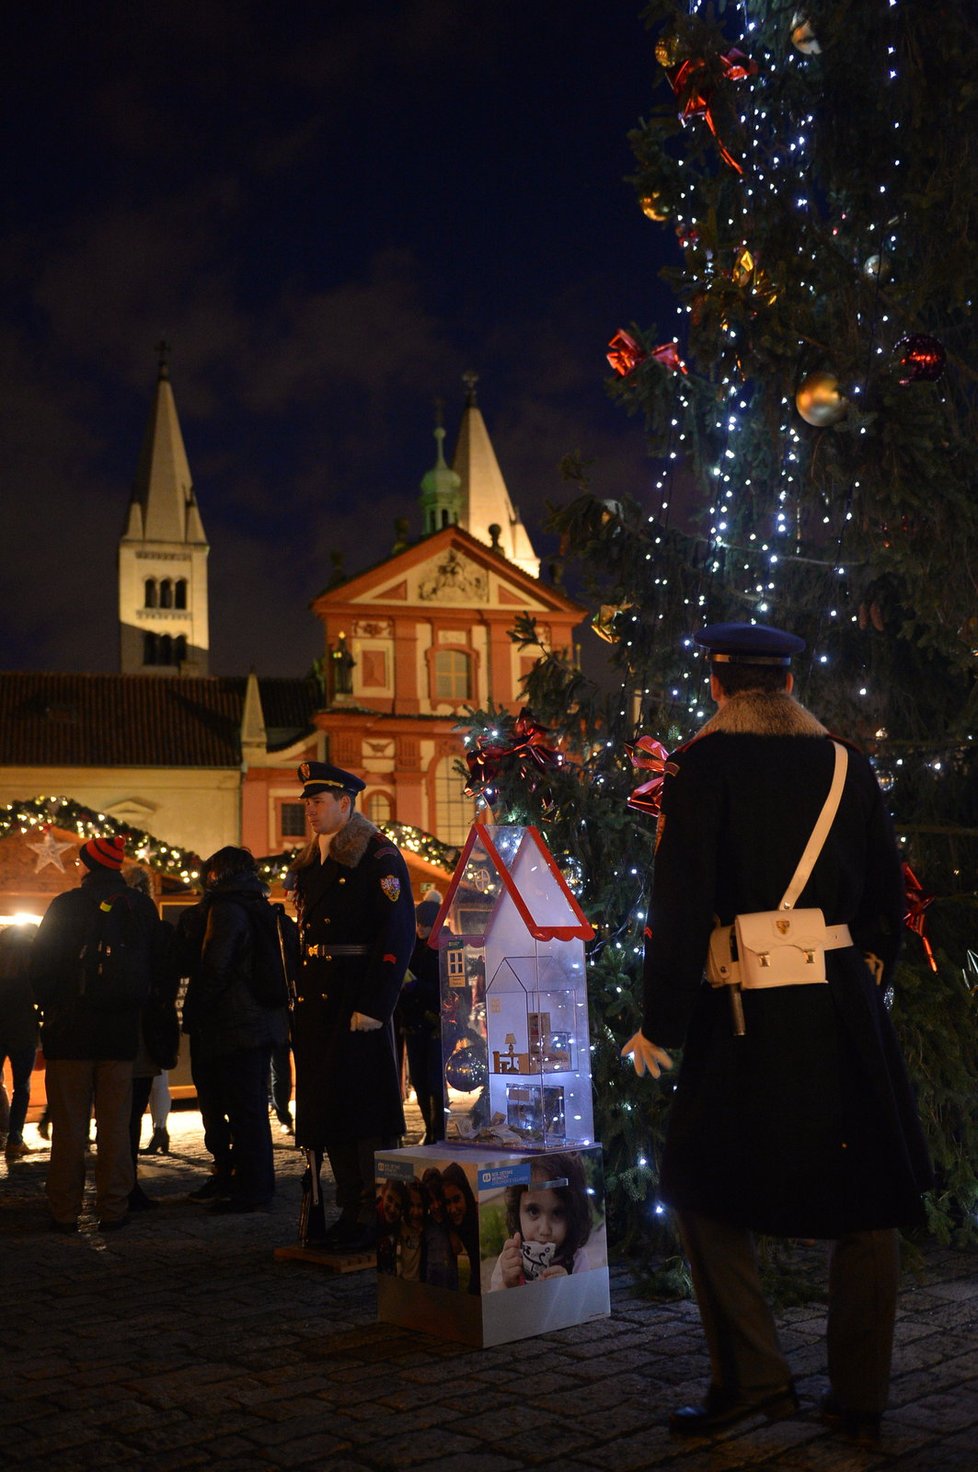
(752, 713)
(350, 844)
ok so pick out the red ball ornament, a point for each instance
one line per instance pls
(921, 358)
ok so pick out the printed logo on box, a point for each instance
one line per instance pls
(396, 1170)
(495, 1176)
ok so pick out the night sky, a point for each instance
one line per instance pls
(331, 211)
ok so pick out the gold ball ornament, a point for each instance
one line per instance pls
(876, 268)
(819, 401)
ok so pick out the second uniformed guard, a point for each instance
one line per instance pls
(793, 1115)
(356, 933)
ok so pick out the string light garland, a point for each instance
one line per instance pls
(39, 814)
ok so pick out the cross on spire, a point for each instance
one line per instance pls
(470, 380)
(163, 351)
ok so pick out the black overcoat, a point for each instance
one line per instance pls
(807, 1124)
(348, 1083)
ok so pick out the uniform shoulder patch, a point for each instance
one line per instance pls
(391, 886)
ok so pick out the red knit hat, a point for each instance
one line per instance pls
(107, 853)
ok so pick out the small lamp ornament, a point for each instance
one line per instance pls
(819, 401)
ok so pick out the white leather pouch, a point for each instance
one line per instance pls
(781, 947)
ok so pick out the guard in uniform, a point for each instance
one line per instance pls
(793, 1117)
(356, 932)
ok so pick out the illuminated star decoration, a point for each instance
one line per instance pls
(49, 851)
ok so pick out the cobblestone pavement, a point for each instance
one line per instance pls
(182, 1342)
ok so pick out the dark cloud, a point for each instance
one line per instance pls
(330, 211)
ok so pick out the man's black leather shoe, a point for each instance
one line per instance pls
(721, 1411)
(862, 1427)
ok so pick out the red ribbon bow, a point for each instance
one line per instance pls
(648, 755)
(917, 905)
(529, 748)
(626, 354)
(668, 355)
(683, 78)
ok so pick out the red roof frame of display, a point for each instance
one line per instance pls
(584, 930)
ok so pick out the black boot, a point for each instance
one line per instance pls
(159, 1143)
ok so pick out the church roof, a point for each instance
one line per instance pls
(142, 720)
(361, 585)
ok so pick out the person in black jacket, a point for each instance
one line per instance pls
(232, 1033)
(419, 1015)
(802, 1121)
(89, 1048)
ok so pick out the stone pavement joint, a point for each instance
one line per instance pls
(183, 1345)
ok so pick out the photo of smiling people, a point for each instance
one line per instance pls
(551, 1225)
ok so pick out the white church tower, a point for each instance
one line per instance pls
(163, 554)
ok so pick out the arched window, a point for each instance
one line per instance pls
(165, 650)
(453, 680)
(149, 649)
(378, 807)
(180, 649)
(180, 593)
(166, 593)
(454, 812)
(149, 593)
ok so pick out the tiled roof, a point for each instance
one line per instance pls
(141, 720)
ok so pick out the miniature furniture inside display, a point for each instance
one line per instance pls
(514, 1000)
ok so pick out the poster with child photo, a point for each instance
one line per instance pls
(548, 1226)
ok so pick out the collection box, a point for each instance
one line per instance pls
(486, 1246)
(515, 1041)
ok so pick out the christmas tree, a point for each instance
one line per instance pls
(810, 172)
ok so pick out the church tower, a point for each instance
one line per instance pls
(163, 553)
(441, 498)
(487, 512)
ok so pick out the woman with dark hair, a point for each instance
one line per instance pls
(462, 1217)
(231, 1031)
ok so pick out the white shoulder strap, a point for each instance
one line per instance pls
(821, 830)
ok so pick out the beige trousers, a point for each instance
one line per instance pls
(74, 1086)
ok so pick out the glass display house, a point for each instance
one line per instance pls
(514, 1021)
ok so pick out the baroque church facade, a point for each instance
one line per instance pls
(186, 762)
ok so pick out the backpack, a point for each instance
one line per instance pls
(114, 961)
(274, 954)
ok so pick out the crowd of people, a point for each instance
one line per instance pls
(96, 987)
(793, 1115)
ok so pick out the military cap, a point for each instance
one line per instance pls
(321, 777)
(748, 644)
